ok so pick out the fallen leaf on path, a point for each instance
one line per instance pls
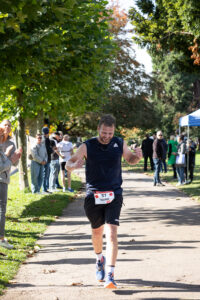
(76, 284)
(48, 271)
(33, 219)
(72, 249)
(30, 253)
(12, 281)
(36, 249)
(123, 252)
(132, 240)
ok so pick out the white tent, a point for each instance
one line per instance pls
(192, 119)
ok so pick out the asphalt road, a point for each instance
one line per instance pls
(159, 250)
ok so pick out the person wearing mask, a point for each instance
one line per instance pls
(158, 156)
(8, 156)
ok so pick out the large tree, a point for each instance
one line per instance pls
(54, 59)
(168, 29)
(129, 84)
(127, 95)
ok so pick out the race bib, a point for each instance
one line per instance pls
(103, 197)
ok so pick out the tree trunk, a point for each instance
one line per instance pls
(40, 121)
(23, 173)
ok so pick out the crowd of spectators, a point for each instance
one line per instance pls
(49, 155)
(175, 153)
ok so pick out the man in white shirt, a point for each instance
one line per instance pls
(66, 150)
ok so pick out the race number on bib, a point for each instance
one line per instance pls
(104, 197)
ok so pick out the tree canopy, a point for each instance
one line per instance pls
(53, 54)
(169, 30)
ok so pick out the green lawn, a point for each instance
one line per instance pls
(27, 218)
(192, 189)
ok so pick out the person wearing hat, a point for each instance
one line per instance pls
(46, 173)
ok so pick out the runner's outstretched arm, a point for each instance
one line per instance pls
(77, 160)
(132, 158)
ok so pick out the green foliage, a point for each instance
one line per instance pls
(130, 86)
(167, 29)
(54, 56)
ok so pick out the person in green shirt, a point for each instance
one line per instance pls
(172, 150)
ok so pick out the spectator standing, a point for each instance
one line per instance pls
(158, 155)
(39, 159)
(66, 150)
(192, 152)
(180, 165)
(54, 165)
(46, 173)
(147, 151)
(8, 156)
(165, 148)
(58, 186)
(172, 150)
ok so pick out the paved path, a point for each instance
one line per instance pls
(159, 251)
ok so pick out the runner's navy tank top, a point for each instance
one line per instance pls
(103, 165)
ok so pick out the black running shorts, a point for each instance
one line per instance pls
(98, 215)
(62, 165)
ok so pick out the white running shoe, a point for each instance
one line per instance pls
(64, 190)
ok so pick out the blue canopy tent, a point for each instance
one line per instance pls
(192, 119)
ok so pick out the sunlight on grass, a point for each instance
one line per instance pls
(27, 218)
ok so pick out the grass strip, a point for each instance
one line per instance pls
(27, 217)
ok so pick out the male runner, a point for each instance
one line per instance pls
(103, 191)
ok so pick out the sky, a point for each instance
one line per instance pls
(141, 54)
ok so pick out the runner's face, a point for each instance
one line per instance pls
(106, 133)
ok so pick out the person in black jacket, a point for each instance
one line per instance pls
(147, 151)
(192, 152)
(158, 156)
(46, 174)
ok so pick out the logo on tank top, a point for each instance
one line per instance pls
(115, 145)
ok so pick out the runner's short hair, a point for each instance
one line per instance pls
(107, 120)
